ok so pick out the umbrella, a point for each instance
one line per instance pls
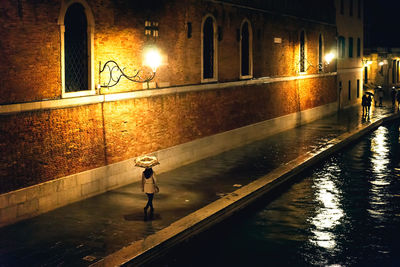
(146, 161)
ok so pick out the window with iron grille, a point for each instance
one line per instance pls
(320, 47)
(208, 49)
(245, 38)
(76, 49)
(302, 52)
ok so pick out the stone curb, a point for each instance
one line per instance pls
(141, 251)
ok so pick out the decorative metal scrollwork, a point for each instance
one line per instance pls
(116, 72)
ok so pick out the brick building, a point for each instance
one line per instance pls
(232, 72)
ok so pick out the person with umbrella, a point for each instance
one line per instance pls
(149, 181)
(364, 103)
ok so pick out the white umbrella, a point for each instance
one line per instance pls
(146, 161)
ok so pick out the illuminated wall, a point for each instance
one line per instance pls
(349, 20)
(43, 144)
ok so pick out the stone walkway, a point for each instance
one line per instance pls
(87, 231)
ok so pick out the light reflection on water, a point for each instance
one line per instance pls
(344, 212)
(379, 179)
(329, 211)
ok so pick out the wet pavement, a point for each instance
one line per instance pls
(85, 232)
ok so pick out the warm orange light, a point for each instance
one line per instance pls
(152, 58)
(329, 57)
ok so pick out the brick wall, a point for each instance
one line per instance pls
(29, 51)
(44, 145)
(31, 57)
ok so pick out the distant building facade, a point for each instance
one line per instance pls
(349, 20)
(232, 72)
(382, 68)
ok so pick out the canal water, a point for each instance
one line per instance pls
(343, 212)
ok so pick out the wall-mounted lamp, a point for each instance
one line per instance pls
(152, 59)
(366, 62)
(327, 60)
(329, 57)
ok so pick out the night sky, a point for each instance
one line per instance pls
(382, 23)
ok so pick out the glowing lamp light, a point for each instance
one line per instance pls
(367, 62)
(329, 57)
(381, 63)
(152, 58)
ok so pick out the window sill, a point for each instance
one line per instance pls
(211, 80)
(78, 94)
(247, 77)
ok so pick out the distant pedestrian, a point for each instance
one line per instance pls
(150, 187)
(393, 97)
(380, 96)
(364, 104)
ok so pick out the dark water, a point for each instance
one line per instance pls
(343, 212)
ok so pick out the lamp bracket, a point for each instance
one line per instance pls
(116, 72)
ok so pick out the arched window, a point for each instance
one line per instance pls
(209, 49)
(320, 53)
(75, 49)
(76, 27)
(350, 47)
(302, 59)
(246, 68)
(342, 47)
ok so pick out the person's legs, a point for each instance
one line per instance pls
(149, 202)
